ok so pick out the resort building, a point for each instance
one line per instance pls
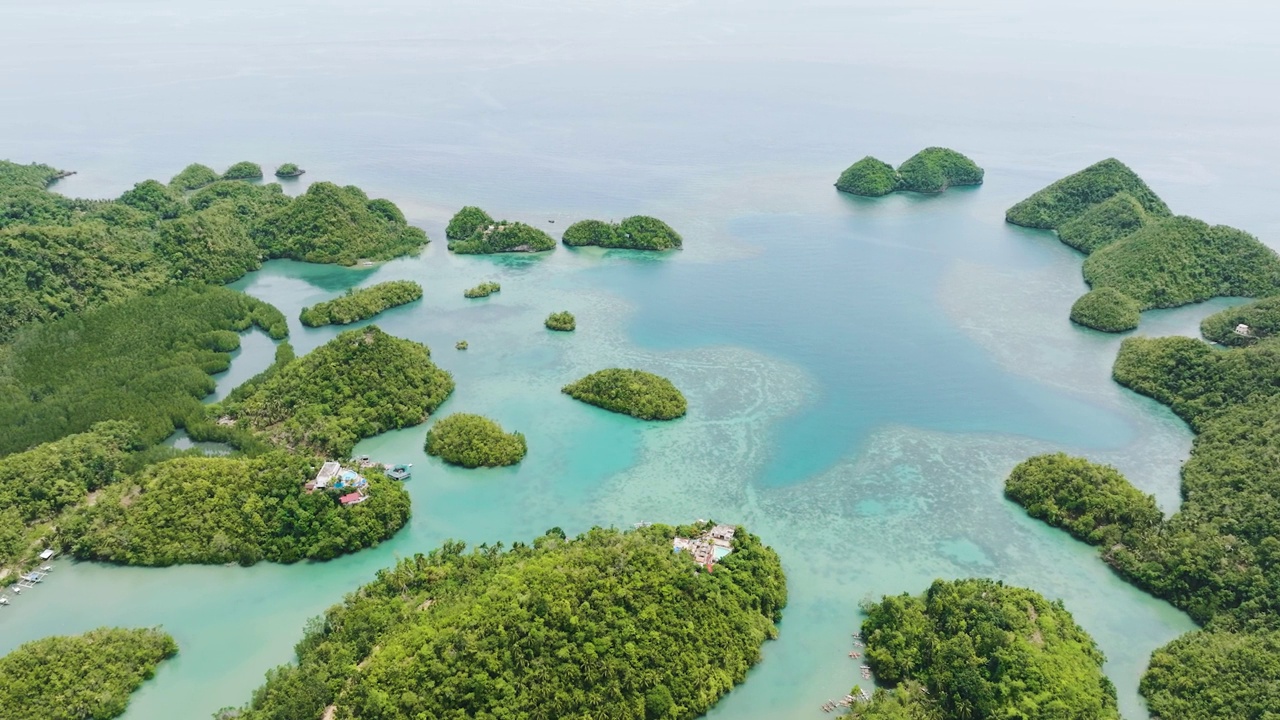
(709, 547)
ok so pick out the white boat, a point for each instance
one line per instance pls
(4, 601)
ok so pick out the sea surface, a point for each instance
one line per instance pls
(861, 374)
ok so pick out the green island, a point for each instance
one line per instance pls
(1243, 325)
(638, 232)
(484, 289)
(561, 321)
(66, 255)
(460, 345)
(472, 231)
(80, 676)
(474, 441)
(1218, 557)
(215, 510)
(1141, 255)
(194, 177)
(359, 384)
(977, 648)
(636, 393)
(289, 170)
(360, 304)
(243, 171)
(607, 624)
(931, 170)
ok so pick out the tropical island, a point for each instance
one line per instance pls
(931, 170)
(361, 304)
(638, 232)
(561, 322)
(636, 393)
(1245, 324)
(504, 632)
(1141, 256)
(473, 231)
(194, 177)
(484, 289)
(978, 648)
(474, 441)
(243, 171)
(80, 676)
(289, 170)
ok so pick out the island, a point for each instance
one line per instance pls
(472, 231)
(931, 170)
(484, 289)
(80, 676)
(460, 345)
(561, 321)
(638, 232)
(194, 177)
(359, 384)
(978, 648)
(243, 171)
(1092, 502)
(636, 393)
(289, 170)
(674, 635)
(1243, 325)
(156, 235)
(474, 441)
(1137, 250)
(362, 303)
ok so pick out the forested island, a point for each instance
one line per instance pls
(1218, 557)
(638, 232)
(484, 289)
(528, 632)
(561, 321)
(636, 393)
(362, 303)
(474, 441)
(977, 648)
(931, 170)
(289, 170)
(66, 255)
(1141, 256)
(472, 231)
(243, 171)
(80, 676)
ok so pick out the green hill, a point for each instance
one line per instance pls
(501, 237)
(1106, 309)
(1069, 197)
(636, 393)
(868, 177)
(332, 224)
(935, 169)
(638, 232)
(361, 303)
(474, 441)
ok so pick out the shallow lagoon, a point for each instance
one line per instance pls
(861, 374)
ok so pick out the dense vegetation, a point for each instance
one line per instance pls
(289, 170)
(1092, 502)
(65, 255)
(869, 177)
(243, 171)
(146, 359)
(1106, 309)
(931, 170)
(982, 649)
(1069, 197)
(561, 321)
(359, 384)
(935, 169)
(609, 624)
(80, 676)
(466, 222)
(474, 441)
(1213, 676)
(484, 289)
(631, 392)
(503, 236)
(1104, 223)
(638, 232)
(363, 303)
(39, 484)
(194, 177)
(231, 509)
(1262, 317)
(332, 224)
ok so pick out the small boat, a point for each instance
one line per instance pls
(399, 472)
(4, 601)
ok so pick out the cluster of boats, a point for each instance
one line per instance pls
(26, 582)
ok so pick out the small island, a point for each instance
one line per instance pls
(243, 171)
(289, 170)
(1095, 503)
(332, 224)
(561, 322)
(362, 303)
(80, 676)
(636, 393)
(978, 648)
(484, 289)
(194, 177)
(524, 611)
(460, 345)
(474, 441)
(638, 232)
(1106, 309)
(1243, 325)
(472, 231)
(931, 170)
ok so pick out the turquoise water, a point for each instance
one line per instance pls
(861, 374)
